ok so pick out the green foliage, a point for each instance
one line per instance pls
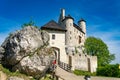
(18, 74)
(30, 23)
(109, 71)
(9, 73)
(95, 46)
(47, 77)
(80, 72)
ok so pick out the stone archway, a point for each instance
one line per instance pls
(57, 54)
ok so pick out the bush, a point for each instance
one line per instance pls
(80, 72)
(109, 71)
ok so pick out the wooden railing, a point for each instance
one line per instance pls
(65, 66)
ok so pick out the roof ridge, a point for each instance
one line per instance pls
(53, 25)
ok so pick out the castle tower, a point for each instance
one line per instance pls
(68, 24)
(82, 25)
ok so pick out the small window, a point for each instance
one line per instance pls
(53, 36)
(70, 24)
(79, 41)
(70, 32)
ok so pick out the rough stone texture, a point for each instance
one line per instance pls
(81, 60)
(15, 78)
(22, 43)
(45, 37)
(35, 64)
(1, 50)
(26, 51)
(1, 53)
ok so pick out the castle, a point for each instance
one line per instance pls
(67, 38)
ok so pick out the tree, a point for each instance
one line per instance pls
(30, 23)
(96, 47)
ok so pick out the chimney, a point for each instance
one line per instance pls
(63, 13)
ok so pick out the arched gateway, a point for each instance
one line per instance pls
(57, 54)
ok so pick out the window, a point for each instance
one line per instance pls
(79, 40)
(53, 36)
(70, 24)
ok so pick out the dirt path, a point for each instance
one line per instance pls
(2, 76)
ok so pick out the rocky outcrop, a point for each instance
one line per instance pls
(1, 53)
(35, 64)
(26, 50)
(22, 43)
(1, 50)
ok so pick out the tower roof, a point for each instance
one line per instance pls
(81, 20)
(68, 17)
(52, 25)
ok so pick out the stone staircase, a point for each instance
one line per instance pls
(64, 75)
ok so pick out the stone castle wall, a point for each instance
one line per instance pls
(93, 63)
(84, 62)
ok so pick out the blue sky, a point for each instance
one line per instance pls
(102, 16)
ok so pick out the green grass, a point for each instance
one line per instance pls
(18, 74)
(80, 72)
(9, 73)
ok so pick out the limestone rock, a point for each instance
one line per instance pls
(2, 50)
(45, 37)
(35, 64)
(22, 43)
(1, 53)
(26, 51)
(15, 78)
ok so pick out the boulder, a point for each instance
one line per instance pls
(21, 43)
(35, 64)
(26, 51)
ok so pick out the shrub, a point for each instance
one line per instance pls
(80, 72)
(109, 71)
